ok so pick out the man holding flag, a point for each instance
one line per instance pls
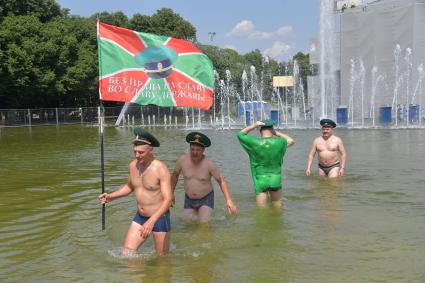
(142, 68)
(149, 180)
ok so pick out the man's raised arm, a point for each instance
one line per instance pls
(249, 128)
(289, 140)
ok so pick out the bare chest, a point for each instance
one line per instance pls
(329, 145)
(199, 172)
(146, 180)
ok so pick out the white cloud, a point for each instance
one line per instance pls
(247, 29)
(278, 51)
(243, 28)
(261, 35)
(282, 31)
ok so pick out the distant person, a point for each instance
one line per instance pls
(149, 180)
(266, 159)
(331, 152)
(197, 171)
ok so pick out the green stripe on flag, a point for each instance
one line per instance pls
(114, 58)
(197, 66)
(155, 92)
(152, 39)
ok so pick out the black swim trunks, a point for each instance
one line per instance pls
(207, 200)
(272, 189)
(328, 169)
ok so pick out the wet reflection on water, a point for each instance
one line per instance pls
(366, 226)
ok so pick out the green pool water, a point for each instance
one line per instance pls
(368, 226)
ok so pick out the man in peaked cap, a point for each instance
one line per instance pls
(266, 159)
(197, 171)
(149, 180)
(329, 148)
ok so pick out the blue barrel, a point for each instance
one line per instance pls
(248, 105)
(413, 113)
(274, 115)
(264, 106)
(342, 115)
(241, 107)
(248, 118)
(255, 105)
(385, 114)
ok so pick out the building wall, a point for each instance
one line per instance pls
(369, 35)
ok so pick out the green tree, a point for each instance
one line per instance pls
(115, 19)
(44, 10)
(166, 22)
(47, 65)
(255, 58)
(141, 23)
(304, 66)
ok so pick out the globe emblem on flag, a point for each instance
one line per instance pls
(157, 61)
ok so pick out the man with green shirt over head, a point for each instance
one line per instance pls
(266, 159)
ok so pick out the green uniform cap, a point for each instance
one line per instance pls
(198, 138)
(268, 124)
(143, 137)
(327, 123)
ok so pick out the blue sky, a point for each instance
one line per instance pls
(279, 28)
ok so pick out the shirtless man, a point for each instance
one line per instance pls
(328, 146)
(149, 180)
(197, 171)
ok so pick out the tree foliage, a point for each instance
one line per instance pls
(44, 10)
(46, 65)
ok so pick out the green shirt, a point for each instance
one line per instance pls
(265, 158)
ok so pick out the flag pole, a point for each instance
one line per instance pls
(101, 116)
(102, 163)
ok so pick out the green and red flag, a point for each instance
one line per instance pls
(146, 69)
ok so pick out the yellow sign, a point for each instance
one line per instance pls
(282, 81)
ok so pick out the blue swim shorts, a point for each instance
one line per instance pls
(207, 200)
(162, 225)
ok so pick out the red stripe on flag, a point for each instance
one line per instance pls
(122, 86)
(187, 92)
(126, 38)
(181, 46)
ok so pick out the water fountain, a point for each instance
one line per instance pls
(299, 97)
(244, 91)
(418, 89)
(408, 74)
(253, 90)
(327, 66)
(351, 98)
(229, 90)
(221, 92)
(362, 73)
(376, 79)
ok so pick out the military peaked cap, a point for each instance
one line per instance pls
(143, 137)
(327, 123)
(198, 138)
